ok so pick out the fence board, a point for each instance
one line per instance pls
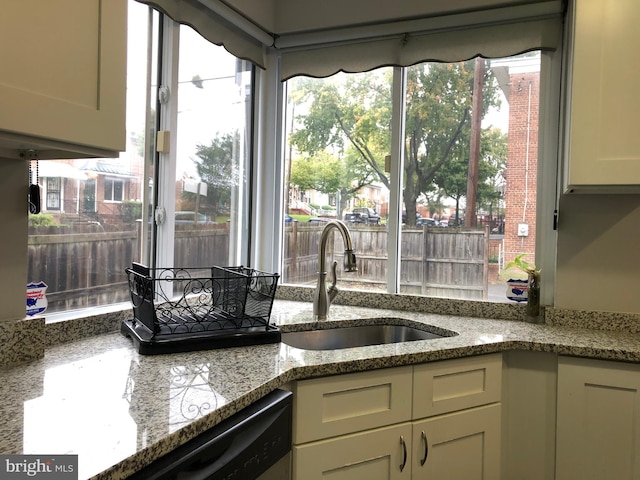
(87, 269)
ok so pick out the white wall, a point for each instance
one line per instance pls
(598, 258)
(300, 15)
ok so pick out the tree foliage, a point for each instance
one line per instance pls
(216, 167)
(350, 116)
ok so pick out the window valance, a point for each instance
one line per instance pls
(492, 34)
(220, 25)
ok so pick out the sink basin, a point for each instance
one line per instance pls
(358, 336)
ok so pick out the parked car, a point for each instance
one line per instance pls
(364, 215)
(443, 223)
(430, 222)
(404, 216)
(185, 217)
(317, 220)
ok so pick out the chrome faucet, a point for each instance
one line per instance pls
(322, 296)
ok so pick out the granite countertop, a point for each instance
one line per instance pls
(118, 410)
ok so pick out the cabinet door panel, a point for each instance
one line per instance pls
(598, 428)
(372, 455)
(604, 141)
(64, 79)
(442, 387)
(460, 446)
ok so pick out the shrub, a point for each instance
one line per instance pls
(41, 220)
(131, 211)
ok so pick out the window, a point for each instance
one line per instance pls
(53, 194)
(214, 111)
(113, 190)
(91, 227)
(103, 214)
(467, 198)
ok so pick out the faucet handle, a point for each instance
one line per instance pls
(333, 290)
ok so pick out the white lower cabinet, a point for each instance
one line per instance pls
(598, 425)
(463, 445)
(440, 420)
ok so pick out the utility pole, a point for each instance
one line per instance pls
(470, 216)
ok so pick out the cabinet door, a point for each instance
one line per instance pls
(458, 446)
(63, 80)
(604, 147)
(598, 426)
(442, 387)
(380, 454)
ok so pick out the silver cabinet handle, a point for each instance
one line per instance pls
(404, 453)
(426, 449)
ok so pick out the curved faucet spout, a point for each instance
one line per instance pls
(322, 297)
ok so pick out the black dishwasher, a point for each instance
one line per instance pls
(242, 447)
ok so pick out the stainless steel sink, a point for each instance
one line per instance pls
(358, 336)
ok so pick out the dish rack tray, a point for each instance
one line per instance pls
(184, 309)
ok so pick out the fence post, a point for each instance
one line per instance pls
(425, 261)
(485, 268)
(293, 248)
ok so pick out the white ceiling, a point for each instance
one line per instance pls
(290, 16)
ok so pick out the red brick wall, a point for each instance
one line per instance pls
(522, 169)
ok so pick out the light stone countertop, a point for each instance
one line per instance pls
(118, 410)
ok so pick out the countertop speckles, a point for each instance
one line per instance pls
(118, 410)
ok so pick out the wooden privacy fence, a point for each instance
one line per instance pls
(84, 267)
(440, 262)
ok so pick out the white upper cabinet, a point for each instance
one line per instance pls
(63, 77)
(604, 99)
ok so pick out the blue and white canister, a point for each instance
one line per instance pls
(517, 290)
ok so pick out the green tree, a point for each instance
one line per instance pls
(352, 115)
(216, 167)
(452, 176)
(349, 116)
(493, 152)
(327, 174)
(438, 127)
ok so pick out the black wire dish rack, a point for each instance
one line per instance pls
(185, 309)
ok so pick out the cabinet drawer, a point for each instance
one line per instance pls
(330, 406)
(451, 385)
(383, 453)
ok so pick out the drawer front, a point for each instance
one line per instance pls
(330, 406)
(451, 385)
(381, 454)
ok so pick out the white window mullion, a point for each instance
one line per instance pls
(268, 176)
(396, 177)
(168, 95)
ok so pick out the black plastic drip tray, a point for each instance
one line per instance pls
(148, 344)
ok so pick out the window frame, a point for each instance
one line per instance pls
(547, 189)
(113, 181)
(51, 193)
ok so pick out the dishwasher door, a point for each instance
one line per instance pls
(244, 446)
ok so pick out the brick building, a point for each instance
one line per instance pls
(520, 80)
